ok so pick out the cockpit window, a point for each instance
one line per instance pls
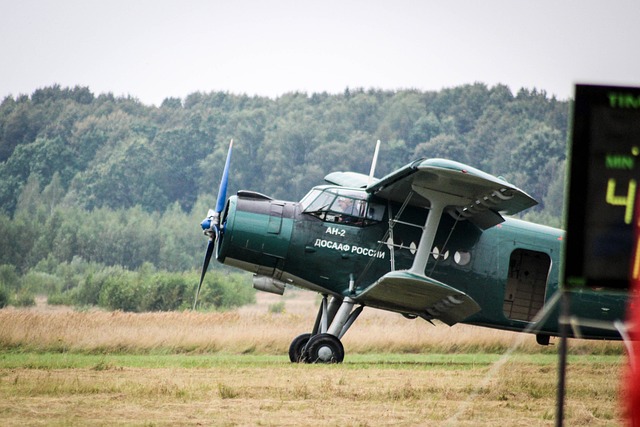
(375, 211)
(309, 198)
(341, 205)
(348, 206)
(321, 202)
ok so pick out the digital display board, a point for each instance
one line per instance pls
(604, 179)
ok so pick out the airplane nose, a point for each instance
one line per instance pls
(256, 235)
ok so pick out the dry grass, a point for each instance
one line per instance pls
(252, 329)
(214, 389)
(521, 394)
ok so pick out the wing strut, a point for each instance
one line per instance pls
(439, 201)
(392, 223)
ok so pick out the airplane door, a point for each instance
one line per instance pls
(526, 284)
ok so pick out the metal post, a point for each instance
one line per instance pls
(563, 325)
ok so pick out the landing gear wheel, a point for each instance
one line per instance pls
(296, 349)
(324, 348)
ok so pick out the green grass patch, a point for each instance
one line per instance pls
(35, 360)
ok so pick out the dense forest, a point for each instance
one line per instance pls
(94, 188)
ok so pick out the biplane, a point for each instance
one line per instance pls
(433, 240)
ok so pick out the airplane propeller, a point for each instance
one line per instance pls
(211, 224)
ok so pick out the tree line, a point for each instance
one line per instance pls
(114, 183)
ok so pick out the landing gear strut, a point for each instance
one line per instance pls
(323, 345)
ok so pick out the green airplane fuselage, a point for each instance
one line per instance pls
(511, 270)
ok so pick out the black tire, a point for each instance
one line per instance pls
(296, 349)
(324, 348)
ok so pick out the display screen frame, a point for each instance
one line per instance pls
(604, 176)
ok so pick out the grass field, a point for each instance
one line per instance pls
(61, 367)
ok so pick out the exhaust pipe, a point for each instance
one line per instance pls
(268, 284)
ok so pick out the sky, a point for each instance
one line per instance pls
(154, 49)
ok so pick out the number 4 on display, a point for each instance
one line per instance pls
(627, 201)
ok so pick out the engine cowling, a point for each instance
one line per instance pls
(256, 232)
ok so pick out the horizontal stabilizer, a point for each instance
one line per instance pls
(409, 293)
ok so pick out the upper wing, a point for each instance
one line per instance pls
(481, 197)
(405, 292)
(348, 179)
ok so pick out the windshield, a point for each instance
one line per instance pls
(347, 206)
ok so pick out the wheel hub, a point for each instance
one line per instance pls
(325, 353)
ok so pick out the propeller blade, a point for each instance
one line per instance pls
(211, 224)
(205, 266)
(222, 191)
